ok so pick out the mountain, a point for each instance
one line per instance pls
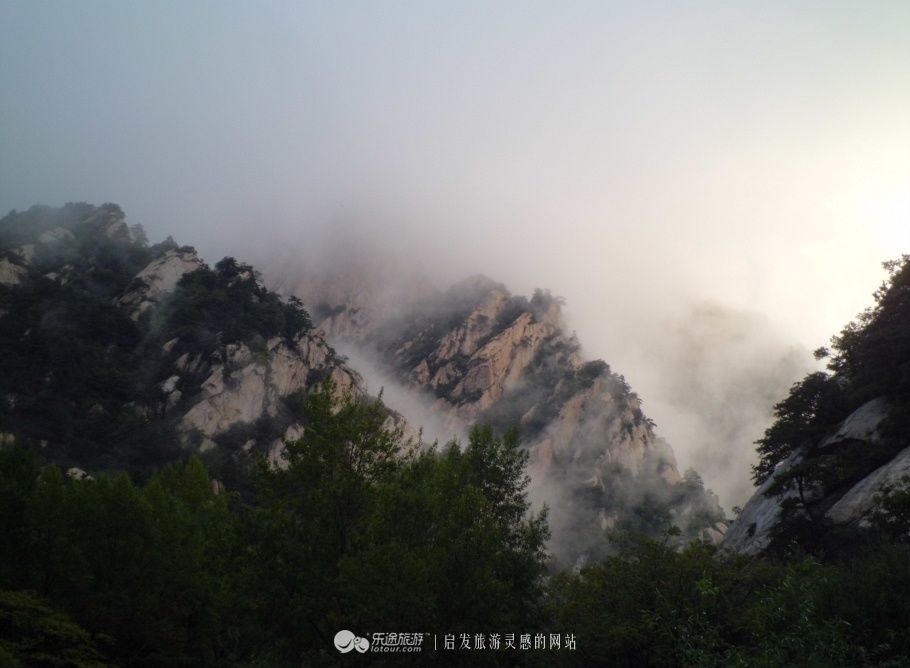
(152, 378)
(121, 355)
(837, 460)
(475, 353)
(118, 354)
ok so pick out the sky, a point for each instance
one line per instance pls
(711, 186)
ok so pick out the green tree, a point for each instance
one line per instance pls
(358, 531)
(35, 635)
(813, 406)
(873, 351)
(451, 543)
(144, 565)
(309, 515)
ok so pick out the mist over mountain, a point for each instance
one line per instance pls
(212, 362)
(457, 334)
(474, 352)
(711, 372)
(120, 354)
(836, 461)
(637, 161)
(221, 442)
(718, 371)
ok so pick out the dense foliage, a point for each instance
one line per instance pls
(82, 378)
(228, 304)
(357, 531)
(361, 532)
(69, 360)
(656, 606)
(155, 562)
(869, 359)
(873, 352)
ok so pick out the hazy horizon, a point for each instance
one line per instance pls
(711, 188)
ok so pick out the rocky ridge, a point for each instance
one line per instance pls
(481, 354)
(224, 380)
(754, 528)
(835, 464)
(228, 394)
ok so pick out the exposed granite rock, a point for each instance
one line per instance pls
(158, 280)
(75, 473)
(243, 386)
(481, 354)
(750, 533)
(12, 270)
(55, 235)
(855, 505)
(861, 425)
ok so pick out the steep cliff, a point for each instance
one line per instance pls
(134, 354)
(117, 354)
(840, 447)
(482, 355)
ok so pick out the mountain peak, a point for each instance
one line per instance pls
(476, 353)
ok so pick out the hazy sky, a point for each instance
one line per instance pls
(647, 161)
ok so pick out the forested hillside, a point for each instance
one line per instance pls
(176, 571)
(117, 355)
(839, 450)
(475, 353)
(191, 476)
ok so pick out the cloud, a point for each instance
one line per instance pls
(713, 376)
(634, 162)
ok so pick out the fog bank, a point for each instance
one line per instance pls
(637, 159)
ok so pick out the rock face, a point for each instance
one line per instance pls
(12, 270)
(241, 386)
(861, 425)
(159, 279)
(855, 505)
(55, 235)
(212, 359)
(213, 392)
(750, 533)
(234, 386)
(481, 354)
(752, 530)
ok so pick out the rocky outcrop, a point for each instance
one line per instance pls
(55, 235)
(855, 505)
(752, 531)
(201, 386)
(12, 270)
(599, 428)
(158, 280)
(861, 425)
(481, 354)
(243, 386)
(236, 385)
(478, 350)
(109, 221)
